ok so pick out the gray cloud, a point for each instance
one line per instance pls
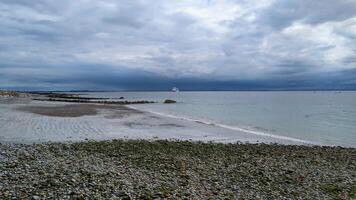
(225, 40)
(283, 13)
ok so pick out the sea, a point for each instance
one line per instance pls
(319, 117)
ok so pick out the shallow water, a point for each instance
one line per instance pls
(38, 121)
(326, 117)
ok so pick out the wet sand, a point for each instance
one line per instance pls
(76, 110)
(28, 121)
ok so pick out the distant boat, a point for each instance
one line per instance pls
(175, 89)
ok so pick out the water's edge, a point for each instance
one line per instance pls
(234, 128)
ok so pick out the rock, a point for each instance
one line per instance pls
(124, 195)
(2, 157)
(35, 198)
(169, 101)
(121, 98)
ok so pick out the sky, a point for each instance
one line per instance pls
(191, 44)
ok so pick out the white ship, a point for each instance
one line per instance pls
(175, 89)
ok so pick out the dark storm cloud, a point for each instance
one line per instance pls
(202, 44)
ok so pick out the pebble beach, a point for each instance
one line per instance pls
(137, 169)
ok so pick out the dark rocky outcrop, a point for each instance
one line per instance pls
(76, 98)
(169, 101)
(96, 102)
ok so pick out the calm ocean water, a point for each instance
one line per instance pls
(321, 117)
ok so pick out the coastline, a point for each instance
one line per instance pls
(90, 150)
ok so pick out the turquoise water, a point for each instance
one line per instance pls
(321, 117)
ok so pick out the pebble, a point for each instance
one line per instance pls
(175, 169)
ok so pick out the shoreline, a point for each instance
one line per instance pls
(235, 128)
(103, 121)
(25, 120)
(140, 169)
(45, 121)
(98, 151)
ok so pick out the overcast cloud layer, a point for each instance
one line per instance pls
(201, 44)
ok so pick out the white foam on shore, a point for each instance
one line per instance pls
(234, 128)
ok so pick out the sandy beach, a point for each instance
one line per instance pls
(26, 121)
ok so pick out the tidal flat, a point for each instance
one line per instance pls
(162, 169)
(25, 119)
